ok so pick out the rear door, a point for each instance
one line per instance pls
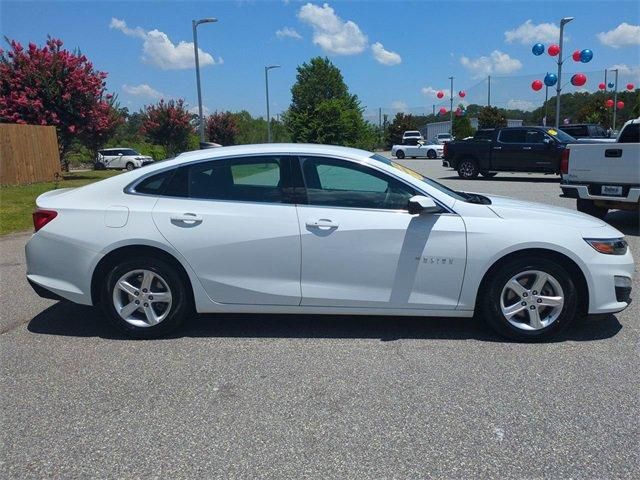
(507, 152)
(234, 221)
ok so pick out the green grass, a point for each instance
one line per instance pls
(18, 202)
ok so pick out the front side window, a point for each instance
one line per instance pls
(339, 183)
(534, 136)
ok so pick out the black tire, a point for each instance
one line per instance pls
(400, 154)
(431, 154)
(590, 208)
(130, 166)
(180, 309)
(468, 169)
(99, 166)
(489, 299)
(488, 174)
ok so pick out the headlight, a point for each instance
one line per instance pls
(608, 246)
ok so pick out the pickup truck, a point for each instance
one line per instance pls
(511, 149)
(588, 133)
(606, 176)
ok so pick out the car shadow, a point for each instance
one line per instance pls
(625, 221)
(68, 319)
(498, 178)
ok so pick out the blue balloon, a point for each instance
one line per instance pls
(610, 84)
(538, 49)
(550, 79)
(586, 55)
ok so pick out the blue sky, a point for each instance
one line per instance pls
(393, 54)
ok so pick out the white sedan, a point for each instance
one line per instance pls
(290, 229)
(421, 150)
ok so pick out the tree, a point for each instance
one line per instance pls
(401, 123)
(491, 117)
(462, 127)
(168, 124)
(97, 133)
(222, 128)
(322, 109)
(53, 86)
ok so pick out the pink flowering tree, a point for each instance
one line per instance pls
(168, 124)
(221, 127)
(52, 86)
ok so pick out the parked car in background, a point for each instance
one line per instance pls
(121, 158)
(442, 138)
(604, 177)
(510, 149)
(422, 149)
(299, 229)
(411, 135)
(588, 132)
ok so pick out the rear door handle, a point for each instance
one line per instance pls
(186, 218)
(526, 148)
(322, 223)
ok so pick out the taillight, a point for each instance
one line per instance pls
(42, 217)
(564, 161)
(444, 149)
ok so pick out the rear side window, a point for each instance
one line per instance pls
(512, 136)
(155, 184)
(631, 134)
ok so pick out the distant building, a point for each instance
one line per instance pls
(430, 130)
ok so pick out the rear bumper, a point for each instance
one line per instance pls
(43, 292)
(585, 192)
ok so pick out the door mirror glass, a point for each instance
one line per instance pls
(120, 154)
(420, 204)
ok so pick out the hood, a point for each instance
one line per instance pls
(512, 209)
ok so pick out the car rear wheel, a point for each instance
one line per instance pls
(488, 174)
(590, 208)
(529, 299)
(145, 298)
(400, 154)
(468, 169)
(431, 154)
(130, 166)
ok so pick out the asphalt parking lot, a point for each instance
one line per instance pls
(240, 396)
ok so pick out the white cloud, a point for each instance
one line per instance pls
(400, 106)
(160, 51)
(528, 33)
(330, 32)
(205, 110)
(497, 62)
(142, 90)
(433, 92)
(628, 73)
(287, 32)
(623, 35)
(525, 105)
(385, 57)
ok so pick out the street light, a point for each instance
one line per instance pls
(194, 24)
(451, 105)
(266, 82)
(563, 22)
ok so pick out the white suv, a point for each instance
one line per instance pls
(411, 135)
(118, 158)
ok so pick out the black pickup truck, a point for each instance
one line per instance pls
(511, 149)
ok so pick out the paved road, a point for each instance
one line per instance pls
(316, 397)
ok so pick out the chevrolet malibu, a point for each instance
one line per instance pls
(318, 229)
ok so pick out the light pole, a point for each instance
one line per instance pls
(451, 105)
(266, 83)
(615, 99)
(563, 22)
(194, 24)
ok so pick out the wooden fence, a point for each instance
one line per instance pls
(28, 154)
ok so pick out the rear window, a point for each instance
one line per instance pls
(631, 134)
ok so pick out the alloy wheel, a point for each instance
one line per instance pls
(142, 298)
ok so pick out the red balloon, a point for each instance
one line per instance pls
(463, 94)
(608, 103)
(620, 105)
(602, 86)
(553, 50)
(443, 111)
(536, 85)
(630, 86)
(579, 79)
(576, 56)
(440, 94)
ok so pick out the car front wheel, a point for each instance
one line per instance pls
(400, 154)
(468, 169)
(529, 299)
(145, 298)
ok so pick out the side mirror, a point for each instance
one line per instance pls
(120, 154)
(547, 141)
(420, 204)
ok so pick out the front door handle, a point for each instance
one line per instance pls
(526, 148)
(497, 148)
(186, 219)
(322, 223)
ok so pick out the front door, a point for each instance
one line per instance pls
(361, 247)
(233, 222)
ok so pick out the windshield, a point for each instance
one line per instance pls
(129, 151)
(561, 136)
(452, 193)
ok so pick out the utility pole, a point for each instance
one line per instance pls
(266, 82)
(489, 92)
(615, 99)
(563, 22)
(546, 99)
(451, 106)
(194, 24)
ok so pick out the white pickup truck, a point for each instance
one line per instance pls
(604, 176)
